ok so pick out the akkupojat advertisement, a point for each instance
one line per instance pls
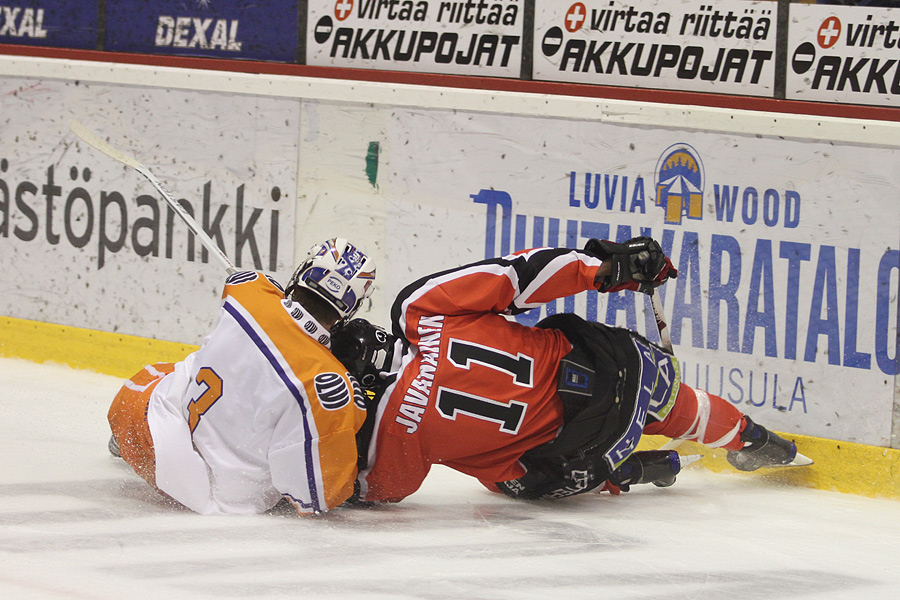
(725, 47)
(427, 36)
(58, 23)
(844, 54)
(788, 252)
(87, 241)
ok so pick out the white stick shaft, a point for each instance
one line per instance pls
(94, 140)
(664, 337)
(671, 444)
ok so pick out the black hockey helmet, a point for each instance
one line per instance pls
(366, 350)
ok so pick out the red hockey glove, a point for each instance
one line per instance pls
(667, 272)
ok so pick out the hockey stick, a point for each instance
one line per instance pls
(666, 341)
(94, 140)
(664, 338)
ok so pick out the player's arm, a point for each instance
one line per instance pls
(509, 285)
(313, 454)
(526, 280)
(555, 477)
(551, 478)
(391, 473)
(319, 482)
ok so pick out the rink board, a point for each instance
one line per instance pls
(784, 227)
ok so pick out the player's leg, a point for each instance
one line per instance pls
(701, 417)
(714, 422)
(128, 421)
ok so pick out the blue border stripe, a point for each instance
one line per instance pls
(307, 443)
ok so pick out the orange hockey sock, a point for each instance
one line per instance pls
(702, 417)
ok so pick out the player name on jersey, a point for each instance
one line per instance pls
(418, 392)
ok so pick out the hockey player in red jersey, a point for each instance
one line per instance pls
(262, 411)
(533, 412)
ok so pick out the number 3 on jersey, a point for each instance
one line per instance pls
(207, 378)
(510, 416)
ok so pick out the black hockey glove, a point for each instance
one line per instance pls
(639, 264)
(658, 467)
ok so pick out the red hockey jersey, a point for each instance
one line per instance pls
(474, 389)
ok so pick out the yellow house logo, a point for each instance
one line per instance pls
(679, 183)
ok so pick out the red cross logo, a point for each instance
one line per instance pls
(829, 32)
(575, 17)
(342, 9)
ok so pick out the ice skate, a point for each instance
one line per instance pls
(765, 449)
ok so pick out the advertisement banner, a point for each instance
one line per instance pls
(725, 47)
(60, 23)
(426, 36)
(88, 241)
(220, 29)
(786, 302)
(844, 54)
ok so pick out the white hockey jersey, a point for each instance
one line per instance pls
(261, 411)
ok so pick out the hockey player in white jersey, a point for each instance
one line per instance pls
(263, 410)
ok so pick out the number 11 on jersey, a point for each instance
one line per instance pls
(509, 415)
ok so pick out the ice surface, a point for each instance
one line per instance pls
(77, 523)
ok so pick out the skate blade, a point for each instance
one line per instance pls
(800, 461)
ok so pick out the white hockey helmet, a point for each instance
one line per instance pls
(337, 272)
